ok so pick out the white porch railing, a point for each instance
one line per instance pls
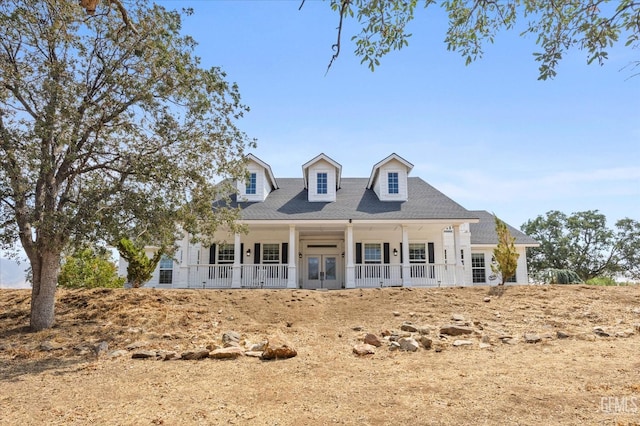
(264, 276)
(378, 275)
(210, 276)
(421, 275)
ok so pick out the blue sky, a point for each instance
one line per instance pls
(489, 135)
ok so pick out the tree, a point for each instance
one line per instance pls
(505, 253)
(140, 266)
(590, 25)
(582, 243)
(89, 268)
(105, 132)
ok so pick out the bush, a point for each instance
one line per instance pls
(558, 276)
(601, 281)
(89, 268)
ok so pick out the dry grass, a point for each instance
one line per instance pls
(580, 380)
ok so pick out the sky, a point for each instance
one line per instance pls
(489, 135)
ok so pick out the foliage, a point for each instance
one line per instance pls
(505, 253)
(604, 281)
(89, 268)
(106, 132)
(557, 276)
(590, 25)
(140, 266)
(583, 243)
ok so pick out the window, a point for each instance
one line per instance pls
(225, 253)
(270, 253)
(372, 253)
(251, 184)
(393, 182)
(166, 270)
(478, 267)
(417, 253)
(322, 183)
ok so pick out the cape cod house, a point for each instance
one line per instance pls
(326, 231)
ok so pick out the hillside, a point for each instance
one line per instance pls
(581, 366)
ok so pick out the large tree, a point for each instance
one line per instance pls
(557, 26)
(583, 243)
(107, 132)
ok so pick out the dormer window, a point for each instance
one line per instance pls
(251, 184)
(392, 178)
(322, 183)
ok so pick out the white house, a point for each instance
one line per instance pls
(326, 231)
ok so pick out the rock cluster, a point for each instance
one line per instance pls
(232, 347)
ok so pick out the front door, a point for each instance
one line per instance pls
(322, 271)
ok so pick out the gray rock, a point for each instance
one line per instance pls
(167, 355)
(118, 353)
(144, 355)
(531, 338)
(195, 354)
(408, 344)
(599, 331)
(48, 345)
(487, 299)
(231, 345)
(257, 347)
(101, 349)
(136, 345)
(455, 330)
(231, 336)
(624, 333)
(394, 346)
(372, 339)
(457, 317)
(562, 335)
(357, 328)
(424, 331)
(462, 343)
(409, 326)
(486, 339)
(253, 354)
(364, 349)
(396, 313)
(231, 352)
(485, 345)
(426, 342)
(510, 341)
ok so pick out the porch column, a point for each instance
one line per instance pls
(351, 268)
(406, 265)
(236, 280)
(292, 281)
(459, 278)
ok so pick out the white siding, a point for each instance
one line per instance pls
(263, 188)
(322, 166)
(381, 185)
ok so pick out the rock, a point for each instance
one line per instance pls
(118, 353)
(231, 345)
(231, 352)
(624, 333)
(253, 354)
(587, 337)
(257, 347)
(484, 345)
(213, 346)
(486, 339)
(531, 338)
(424, 331)
(136, 345)
(408, 344)
(394, 346)
(396, 313)
(426, 342)
(510, 341)
(364, 349)
(144, 355)
(457, 317)
(408, 326)
(372, 339)
(48, 345)
(487, 299)
(462, 343)
(195, 354)
(231, 337)
(278, 348)
(562, 335)
(598, 331)
(167, 355)
(357, 328)
(101, 349)
(134, 330)
(387, 333)
(455, 330)
(439, 346)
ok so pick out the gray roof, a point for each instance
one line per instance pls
(484, 232)
(353, 201)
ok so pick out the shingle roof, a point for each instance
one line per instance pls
(353, 201)
(484, 232)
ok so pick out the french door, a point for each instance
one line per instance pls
(322, 271)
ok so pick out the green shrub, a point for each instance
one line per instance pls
(558, 276)
(89, 268)
(601, 281)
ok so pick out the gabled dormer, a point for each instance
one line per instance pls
(260, 181)
(321, 178)
(389, 178)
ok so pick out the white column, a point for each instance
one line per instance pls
(236, 280)
(459, 276)
(292, 281)
(406, 264)
(351, 269)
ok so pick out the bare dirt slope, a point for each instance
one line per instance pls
(54, 376)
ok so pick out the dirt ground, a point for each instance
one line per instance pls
(54, 376)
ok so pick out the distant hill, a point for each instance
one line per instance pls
(12, 274)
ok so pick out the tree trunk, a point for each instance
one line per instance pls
(43, 295)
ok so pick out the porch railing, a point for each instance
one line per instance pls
(210, 276)
(421, 275)
(378, 275)
(264, 276)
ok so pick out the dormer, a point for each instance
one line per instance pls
(389, 178)
(260, 181)
(321, 178)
